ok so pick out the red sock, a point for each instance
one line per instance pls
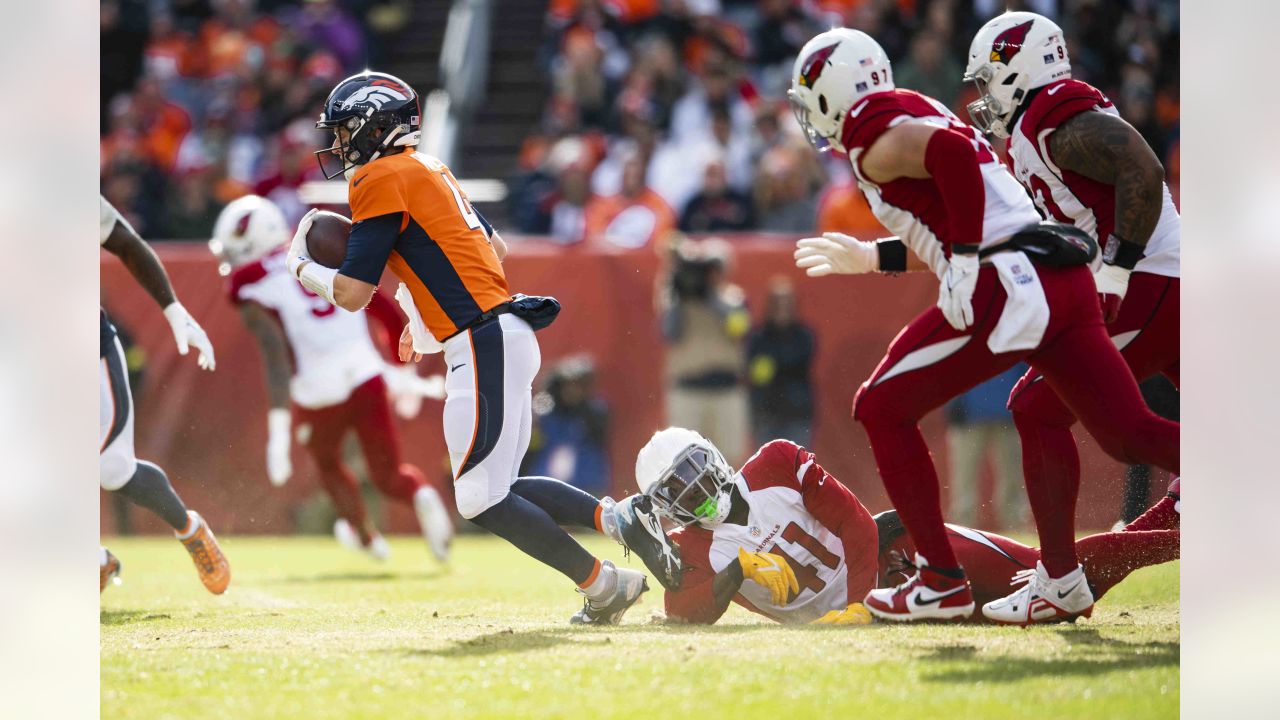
(1163, 515)
(1051, 467)
(1109, 557)
(343, 490)
(912, 484)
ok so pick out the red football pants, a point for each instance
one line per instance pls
(367, 412)
(1146, 331)
(930, 362)
(991, 560)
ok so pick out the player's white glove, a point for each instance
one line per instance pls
(408, 389)
(298, 247)
(279, 463)
(955, 296)
(187, 332)
(836, 253)
(1113, 283)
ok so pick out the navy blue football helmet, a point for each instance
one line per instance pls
(377, 111)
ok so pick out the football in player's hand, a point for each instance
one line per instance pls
(327, 238)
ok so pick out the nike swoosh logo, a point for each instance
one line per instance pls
(859, 108)
(1056, 88)
(455, 367)
(1070, 590)
(920, 600)
(362, 177)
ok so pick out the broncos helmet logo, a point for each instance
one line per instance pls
(812, 68)
(1008, 43)
(377, 95)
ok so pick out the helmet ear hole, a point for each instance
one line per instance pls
(1013, 77)
(822, 104)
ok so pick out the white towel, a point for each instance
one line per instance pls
(1026, 311)
(423, 341)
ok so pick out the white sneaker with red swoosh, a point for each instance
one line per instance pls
(1043, 599)
(927, 595)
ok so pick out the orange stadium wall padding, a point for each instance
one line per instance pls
(208, 430)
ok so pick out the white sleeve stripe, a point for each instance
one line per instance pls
(803, 469)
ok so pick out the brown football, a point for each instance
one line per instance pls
(327, 238)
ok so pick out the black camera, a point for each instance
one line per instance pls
(692, 276)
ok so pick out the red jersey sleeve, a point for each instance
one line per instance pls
(1059, 102)
(242, 277)
(838, 509)
(694, 602)
(389, 324)
(867, 120)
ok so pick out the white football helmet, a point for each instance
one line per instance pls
(685, 476)
(247, 229)
(1011, 55)
(833, 71)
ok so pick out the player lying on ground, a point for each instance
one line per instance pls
(1011, 288)
(410, 216)
(1086, 166)
(326, 362)
(782, 510)
(119, 470)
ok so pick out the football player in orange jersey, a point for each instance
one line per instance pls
(410, 216)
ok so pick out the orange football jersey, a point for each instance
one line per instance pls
(443, 254)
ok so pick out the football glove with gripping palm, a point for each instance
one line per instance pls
(771, 572)
(855, 614)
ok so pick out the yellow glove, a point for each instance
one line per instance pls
(770, 571)
(855, 614)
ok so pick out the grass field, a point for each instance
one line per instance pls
(309, 630)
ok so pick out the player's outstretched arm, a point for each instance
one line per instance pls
(703, 600)
(275, 362)
(144, 265)
(141, 262)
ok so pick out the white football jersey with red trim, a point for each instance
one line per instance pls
(913, 209)
(332, 351)
(1069, 197)
(779, 523)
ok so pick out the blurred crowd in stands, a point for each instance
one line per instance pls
(206, 100)
(670, 114)
(661, 114)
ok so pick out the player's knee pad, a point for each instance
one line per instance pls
(474, 493)
(116, 469)
(1036, 404)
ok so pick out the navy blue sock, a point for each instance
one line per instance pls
(150, 488)
(566, 504)
(533, 531)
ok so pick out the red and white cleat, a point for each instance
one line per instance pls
(1043, 599)
(927, 595)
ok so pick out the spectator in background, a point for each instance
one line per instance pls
(930, 69)
(717, 208)
(784, 192)
(633, 218)
(570, 429)
(704, 321)
(978, 425)
(779, 358)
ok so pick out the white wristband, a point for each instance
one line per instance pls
(318, 279)
(278, 421)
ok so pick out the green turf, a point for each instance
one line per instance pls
(309, 630)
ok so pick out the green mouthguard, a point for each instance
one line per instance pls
(706, 509)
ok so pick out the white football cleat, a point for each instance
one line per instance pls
(927, 595)
(628, 586)
(434, 520)
(1043, 599)
(378, 549)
